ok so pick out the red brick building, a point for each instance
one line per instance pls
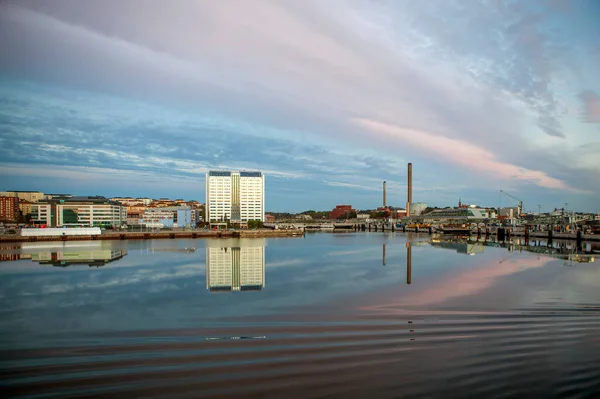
(9, 208)
(341, 210)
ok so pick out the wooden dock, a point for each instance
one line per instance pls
(158, 235)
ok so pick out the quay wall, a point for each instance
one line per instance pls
(158, 235)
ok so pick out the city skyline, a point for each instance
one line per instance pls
(505, 204)
(328, 99)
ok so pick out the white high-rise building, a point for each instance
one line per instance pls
(235, 196)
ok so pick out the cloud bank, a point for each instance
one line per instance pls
(328, 98)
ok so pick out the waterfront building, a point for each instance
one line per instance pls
(31, 196)
(460, 214)
(342, 211)
(235, 268)
(417, 208)
(134, 219)
(130, 201)
(25, 207)
(57, 196)
(176, 216)
(508, 213)
(79, 211)
(235, 196)
(401, 213)
(9, 208)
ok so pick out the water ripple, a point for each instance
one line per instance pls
(546, 350)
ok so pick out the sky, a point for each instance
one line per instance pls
(327, 98)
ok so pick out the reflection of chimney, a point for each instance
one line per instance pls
(384, 254)
(384, 193)
(408, 263)
(409, 189)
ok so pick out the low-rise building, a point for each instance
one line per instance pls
(130, 201)
(417, 208)
(134, 219)
(79, 211)
(342, 211)
(178, 216)
(31, 196)
(9, 208)
(25, 207)
(508, 213)
(460, 214)
(401, 213)
(57, 196)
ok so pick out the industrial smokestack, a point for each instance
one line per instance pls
(384, 202)
(409, 189)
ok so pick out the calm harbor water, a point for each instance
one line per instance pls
(329, 315)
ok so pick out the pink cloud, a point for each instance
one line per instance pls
(459, 152)
(461, 284)
(591, 106)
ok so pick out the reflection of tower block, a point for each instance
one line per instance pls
(235, 269)
(252, 268)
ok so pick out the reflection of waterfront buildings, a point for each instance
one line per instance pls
(97, 257)
(565, 250)
(235, 268)
(11, 257)
(584, 252)
(462, 247)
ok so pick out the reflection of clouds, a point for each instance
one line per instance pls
(94, 281)
(465, 283)
(345, 253)
(370, 251)
(286, 263)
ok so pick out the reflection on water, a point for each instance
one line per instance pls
(460, 246)
(91, 258)
(568, 250)
(235, 268)
(510, 321)
(408, 262)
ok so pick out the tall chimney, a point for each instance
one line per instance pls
(409, 189)
(384, 202)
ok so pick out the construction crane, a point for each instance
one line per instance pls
(519, 205)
